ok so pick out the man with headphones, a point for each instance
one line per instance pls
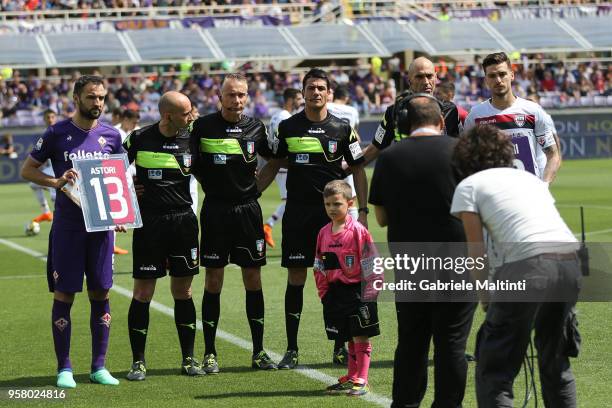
(422, 76)
(419, 212)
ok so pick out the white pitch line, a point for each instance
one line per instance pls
(588, 234)
(21, 277)
(23, 249)
(229, 337)
(595, 207)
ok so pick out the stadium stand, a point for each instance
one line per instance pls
(147, 47)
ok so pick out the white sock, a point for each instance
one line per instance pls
(278, 214)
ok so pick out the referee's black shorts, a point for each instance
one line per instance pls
(168, 240)
(301, 225)
(346, 316)
(232, 233)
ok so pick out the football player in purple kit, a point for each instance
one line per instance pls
(73, 250)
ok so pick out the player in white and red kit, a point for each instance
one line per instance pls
(349, 314)
(526, 122)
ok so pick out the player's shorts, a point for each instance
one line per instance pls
(166, 241)
(349, 180)
(346, 316)
(301, 225)
(72, 253)
(47, 169)
(281, 181)
(232, 233)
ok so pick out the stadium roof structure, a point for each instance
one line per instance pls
(315, 41)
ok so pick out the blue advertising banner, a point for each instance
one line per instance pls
(582, 136)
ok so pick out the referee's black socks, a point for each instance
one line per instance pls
(255, 314)
(294, 301)
(185, 320)
(138, 325)
(211, 307)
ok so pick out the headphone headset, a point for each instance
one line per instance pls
(403, 108)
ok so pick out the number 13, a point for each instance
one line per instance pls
(117, 196)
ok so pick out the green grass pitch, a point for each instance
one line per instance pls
(27, 359)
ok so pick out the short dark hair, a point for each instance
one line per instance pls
(446, 87)
(421, 111)
(117, 112)
(49, 111)
(341, 92)
(495, 59)
(338, 187)
(316, 73)
(85, 80)
(482, 147)
(131, 114)
(290, 93)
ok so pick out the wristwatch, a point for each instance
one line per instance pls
(364, 210)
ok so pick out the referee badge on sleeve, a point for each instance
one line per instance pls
(355, 149)
(380, 134)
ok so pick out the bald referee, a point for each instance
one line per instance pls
(422, 77)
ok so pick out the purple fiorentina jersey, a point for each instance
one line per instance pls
(65, 141)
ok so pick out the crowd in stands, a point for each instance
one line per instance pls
(32, 5)
(24, 98)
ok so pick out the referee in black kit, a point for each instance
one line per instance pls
(225, 146)
(412, 188)
(422, 77)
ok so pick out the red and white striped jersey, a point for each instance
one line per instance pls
(526, 123)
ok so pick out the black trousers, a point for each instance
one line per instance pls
(449, 324)
(504, 336)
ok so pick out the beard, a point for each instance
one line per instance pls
(91, 113)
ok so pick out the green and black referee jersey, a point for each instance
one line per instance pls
(315, 151)
(169, 235)
(386, 132)
(225, 161)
